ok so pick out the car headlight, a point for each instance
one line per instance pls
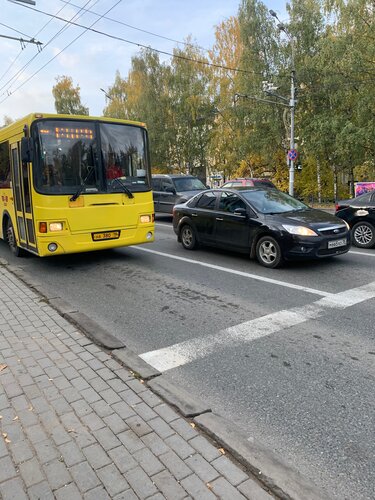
(299, 230)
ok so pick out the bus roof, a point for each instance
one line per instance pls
(36, 116)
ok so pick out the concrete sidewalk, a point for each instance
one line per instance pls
(77, 424)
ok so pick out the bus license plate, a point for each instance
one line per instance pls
(109, 235)
(337, 243)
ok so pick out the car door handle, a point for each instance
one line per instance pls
(219, 218)
(194, 215)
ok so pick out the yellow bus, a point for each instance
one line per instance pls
(74, 184)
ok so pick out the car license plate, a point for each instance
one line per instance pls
(110, 235)
(337, 243)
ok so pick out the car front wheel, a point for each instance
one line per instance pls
(188, 237)
(268, 252)
(363, 234)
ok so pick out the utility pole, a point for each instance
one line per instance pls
(292, 105)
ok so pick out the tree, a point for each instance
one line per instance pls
(7, 120)
(67, 97)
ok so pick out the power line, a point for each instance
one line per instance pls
(138, 29)
(185, 58)
(62, 50)
(14, 29)
(64, 28)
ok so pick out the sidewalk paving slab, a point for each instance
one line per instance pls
(75, 423)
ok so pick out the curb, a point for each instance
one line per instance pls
(275, 476)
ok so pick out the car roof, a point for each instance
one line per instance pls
(172, 176)
(248, 179)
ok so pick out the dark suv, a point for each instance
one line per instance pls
(168, 190)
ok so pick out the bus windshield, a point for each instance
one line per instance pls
(88, 155)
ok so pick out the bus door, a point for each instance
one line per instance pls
(22, 199)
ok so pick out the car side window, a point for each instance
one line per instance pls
(229, 202)
(155, 183)
(207, 201)
(166, 185)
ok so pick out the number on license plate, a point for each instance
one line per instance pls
(337, 243)
(110, 235)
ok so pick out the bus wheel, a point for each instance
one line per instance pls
(12, 242)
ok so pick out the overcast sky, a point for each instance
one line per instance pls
(93, 59)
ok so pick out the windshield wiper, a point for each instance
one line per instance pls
(82, 186)
(125, 188)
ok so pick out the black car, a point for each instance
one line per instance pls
(263, 222)
(167, 190)
(359, 213)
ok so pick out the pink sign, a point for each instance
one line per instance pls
(363, 187)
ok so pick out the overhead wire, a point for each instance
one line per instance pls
(64, 28)
(60, 52)
(174, 55)
(140, 29)
(36, 34)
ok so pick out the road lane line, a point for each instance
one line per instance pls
(362, 253)
(236, 272)
(190, 350)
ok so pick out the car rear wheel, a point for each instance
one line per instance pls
(363, 234)
(188, 237)
(268, 252)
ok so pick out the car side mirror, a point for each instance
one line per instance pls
(170, 190)
(241, 212)
(27, 149)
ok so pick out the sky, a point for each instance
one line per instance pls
(27, 76)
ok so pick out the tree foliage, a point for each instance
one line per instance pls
(67, 97)
(227, 110)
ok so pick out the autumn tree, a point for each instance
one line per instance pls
(224, 148)
(7, 120)
(67, 97)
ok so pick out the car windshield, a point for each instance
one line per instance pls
(188, 184)
(68, 158)
(271, 201)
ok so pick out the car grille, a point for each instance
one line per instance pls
(332, 230)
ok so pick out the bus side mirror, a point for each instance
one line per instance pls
(27, 149)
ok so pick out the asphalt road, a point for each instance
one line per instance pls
(287, 354)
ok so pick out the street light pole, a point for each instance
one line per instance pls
(292, 104)
(292, 110)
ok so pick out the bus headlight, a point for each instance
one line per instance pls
(145, 219)
(55, 226)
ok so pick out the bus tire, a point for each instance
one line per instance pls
(12, 242)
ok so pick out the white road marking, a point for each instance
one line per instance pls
(197, 348)
(236, 272)
(362, 253)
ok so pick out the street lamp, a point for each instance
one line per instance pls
(292, 156)
(110, 98)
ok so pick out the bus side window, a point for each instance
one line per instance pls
(4, 165)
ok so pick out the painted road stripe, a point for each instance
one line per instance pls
(198, 348)
(236, 272)
(362, 253)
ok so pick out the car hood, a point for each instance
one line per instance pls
(311, 217)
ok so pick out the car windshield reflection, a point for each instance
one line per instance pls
(271, 201)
